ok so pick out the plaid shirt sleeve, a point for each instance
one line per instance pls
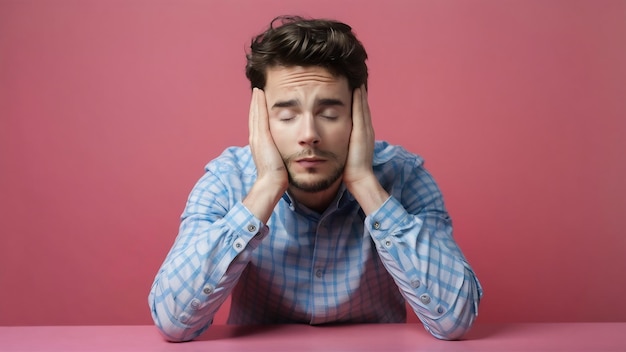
(414, 241)
(212, 249)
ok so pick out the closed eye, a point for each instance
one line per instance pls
(286, 115)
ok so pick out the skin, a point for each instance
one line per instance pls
(309, 133)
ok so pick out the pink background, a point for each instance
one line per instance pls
(110, 109)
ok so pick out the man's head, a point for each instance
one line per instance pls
(295, 41)
(308, 70)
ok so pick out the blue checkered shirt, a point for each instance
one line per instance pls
(304, 267)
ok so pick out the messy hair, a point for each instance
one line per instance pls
(296, 41)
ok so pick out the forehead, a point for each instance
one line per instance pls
(285, 78)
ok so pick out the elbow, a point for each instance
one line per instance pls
(173, 330)
(450, 334)
(175, 327)
(460, 318)
(453, 327)
(172, 333)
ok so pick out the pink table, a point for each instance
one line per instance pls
(376, 337)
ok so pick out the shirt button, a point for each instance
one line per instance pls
(184, 317)
(415, 283)
(207, 290)
(251, 228)
(376, 225)
(239, 244)
(195, 304)
(425, 298)
(319, 273)
(388, 243)
(440, 310)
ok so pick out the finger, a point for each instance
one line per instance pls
(261, 107)
(263, 125)
(367, 117)
(357, 109)
(252, 115)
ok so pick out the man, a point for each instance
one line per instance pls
(314, 222)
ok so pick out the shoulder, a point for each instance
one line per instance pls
(233, 159)
(403, 175)
(229, 174)
(386, 154)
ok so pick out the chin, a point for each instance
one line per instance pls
(313, 185)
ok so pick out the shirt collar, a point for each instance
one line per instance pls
(342, 198)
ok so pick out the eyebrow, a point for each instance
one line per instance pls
(285, 104)
(294, 102)
(330, 102)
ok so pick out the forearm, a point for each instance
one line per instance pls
(368, 193)
(262, 198)
(428, 267)
(201, 270)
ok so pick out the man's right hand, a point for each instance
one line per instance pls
(272, 180)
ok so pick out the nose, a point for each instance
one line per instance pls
(309, 134)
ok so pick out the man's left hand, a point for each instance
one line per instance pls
(358, 174)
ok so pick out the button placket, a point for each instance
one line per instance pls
(319, 273)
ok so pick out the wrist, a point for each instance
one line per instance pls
(262, 198)
(369, 193)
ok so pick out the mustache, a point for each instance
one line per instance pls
(310, 152)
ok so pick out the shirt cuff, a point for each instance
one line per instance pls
(247, 228)
(386, 219)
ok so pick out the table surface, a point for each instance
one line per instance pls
(367, 337)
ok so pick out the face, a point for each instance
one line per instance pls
(310, 122)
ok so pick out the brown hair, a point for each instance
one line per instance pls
(296, 41)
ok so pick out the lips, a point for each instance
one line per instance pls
(310, 162)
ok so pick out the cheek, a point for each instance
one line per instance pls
(276, 133)
(277, 130)
(347, 131)
(342, 139)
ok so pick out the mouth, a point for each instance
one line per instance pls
(310, 162)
